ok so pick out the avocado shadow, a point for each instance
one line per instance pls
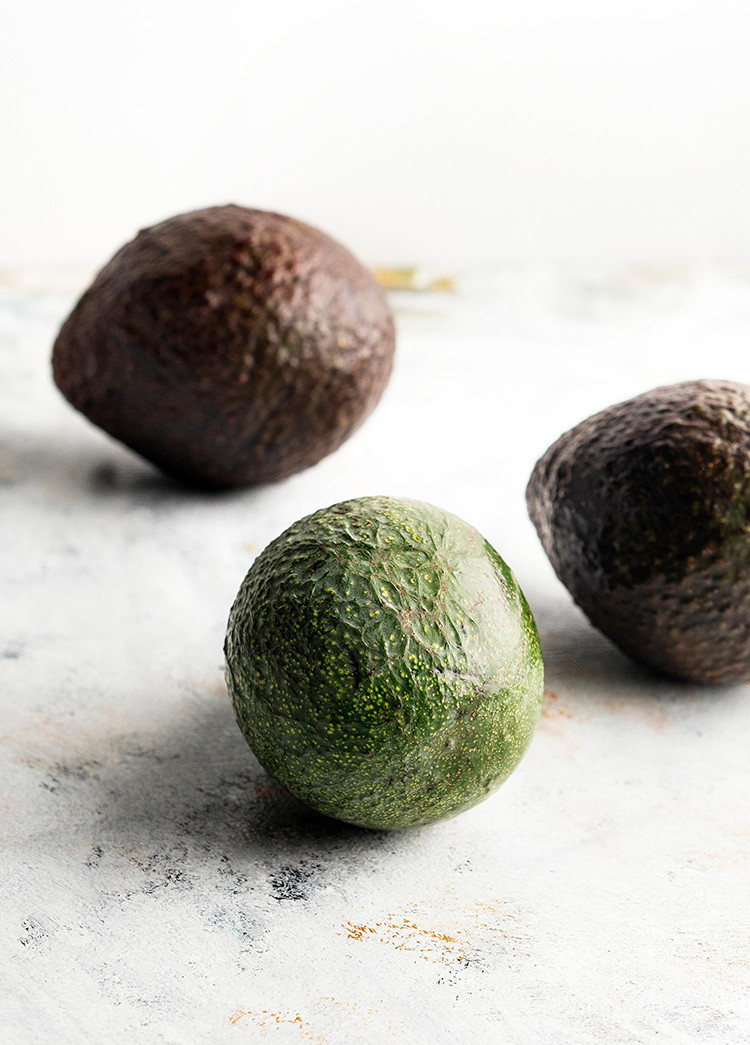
(97, 468)
(198, 783)
(582, 662)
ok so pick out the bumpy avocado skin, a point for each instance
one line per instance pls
(383, 663)
(228, 346)
(644, 512)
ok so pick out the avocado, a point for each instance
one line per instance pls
(383, 663)
(228, 346)
(644, 512)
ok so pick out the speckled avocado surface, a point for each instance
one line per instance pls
(644, 512)
(383, 663)
(229, 346)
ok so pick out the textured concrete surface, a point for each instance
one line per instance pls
(158, 887)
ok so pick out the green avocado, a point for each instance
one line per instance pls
(383, 663)
(644, 512)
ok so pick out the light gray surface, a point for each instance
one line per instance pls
(158, 887)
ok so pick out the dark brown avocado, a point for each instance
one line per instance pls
(228, 346)
(644, 512)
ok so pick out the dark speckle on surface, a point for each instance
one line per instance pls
(294, 882)
(96, 855)
(33, 932)
(165, 869)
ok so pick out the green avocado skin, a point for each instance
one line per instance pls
(644, 512)
(383, 664)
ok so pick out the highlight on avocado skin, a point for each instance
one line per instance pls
(383, 663)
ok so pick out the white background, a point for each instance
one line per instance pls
(456, 133)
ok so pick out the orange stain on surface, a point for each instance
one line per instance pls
(552, 708)
(406, 935)
(265, 1020)
(556, 710)
(445, 930)
(645, 711)
(554, 715)
(343, 1020)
